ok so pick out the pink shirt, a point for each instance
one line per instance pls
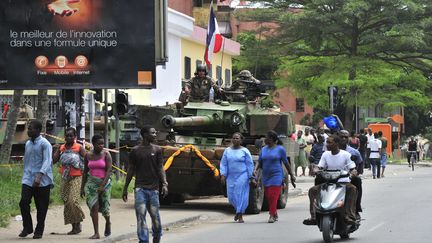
(97, 167)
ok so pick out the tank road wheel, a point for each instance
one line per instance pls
(165, 201)
(256, 196)
(283, 197)
(177, 198)
(171, 198)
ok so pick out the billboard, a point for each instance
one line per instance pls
(67, 44)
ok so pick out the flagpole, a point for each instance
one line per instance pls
(208, 24)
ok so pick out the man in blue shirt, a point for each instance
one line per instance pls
(37, 180)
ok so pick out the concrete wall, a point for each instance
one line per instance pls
(287, 102)
(182, 6)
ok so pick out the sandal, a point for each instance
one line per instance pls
(240, 218)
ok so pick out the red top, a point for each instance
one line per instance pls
(73, 171)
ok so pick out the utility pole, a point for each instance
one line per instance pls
(331, 99)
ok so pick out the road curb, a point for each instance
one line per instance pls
(134, 234)
(292, 193)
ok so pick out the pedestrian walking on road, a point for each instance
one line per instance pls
(236, 168)
(363, 150)
(369, 136)
(383, 152)
(375, 155)
(37, 180)
(271, 158)
(146, 164)
(71, 156)
(96, 184)
(301, 160)
(309, 138)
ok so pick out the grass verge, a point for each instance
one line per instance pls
(10, 191)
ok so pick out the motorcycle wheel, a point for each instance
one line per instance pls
(327, 228)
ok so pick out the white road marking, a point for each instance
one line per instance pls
(376, 226)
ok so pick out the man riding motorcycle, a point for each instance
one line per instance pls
(356, 157)
(336, 159)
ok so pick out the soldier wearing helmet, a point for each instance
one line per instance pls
(244, 81)
(198, 88)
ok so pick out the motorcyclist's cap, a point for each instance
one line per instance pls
(343, 133)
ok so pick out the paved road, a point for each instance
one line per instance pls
(397, 208)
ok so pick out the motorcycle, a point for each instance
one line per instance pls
(330, 207)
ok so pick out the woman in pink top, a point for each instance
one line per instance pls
(96, 184)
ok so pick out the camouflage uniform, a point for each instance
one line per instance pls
(200, 88)
(241, 84)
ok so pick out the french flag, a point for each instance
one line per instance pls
(214, 38)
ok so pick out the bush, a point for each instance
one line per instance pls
(117, 187)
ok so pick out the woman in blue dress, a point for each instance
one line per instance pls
(236, 169)
(271, 158)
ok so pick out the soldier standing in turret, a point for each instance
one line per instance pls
(244, 79)
(198, 88)
(244, 82)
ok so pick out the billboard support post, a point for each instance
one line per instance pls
(105, 95)
(117, 136)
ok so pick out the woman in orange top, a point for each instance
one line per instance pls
(71, 155)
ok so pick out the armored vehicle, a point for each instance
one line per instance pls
(195, 135)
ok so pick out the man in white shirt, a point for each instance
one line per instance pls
(336, 159)
(369, 136)
(375, 155)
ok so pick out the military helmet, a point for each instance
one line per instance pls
(201, 67)
(245, 73)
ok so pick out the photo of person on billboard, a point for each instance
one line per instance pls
(63, 7)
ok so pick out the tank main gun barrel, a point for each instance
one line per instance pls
(169, 121)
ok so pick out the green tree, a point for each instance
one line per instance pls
(258, 54)
(376, 52)
(6, 146)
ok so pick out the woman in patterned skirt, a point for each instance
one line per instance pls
(71, 155)
(96, 184)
